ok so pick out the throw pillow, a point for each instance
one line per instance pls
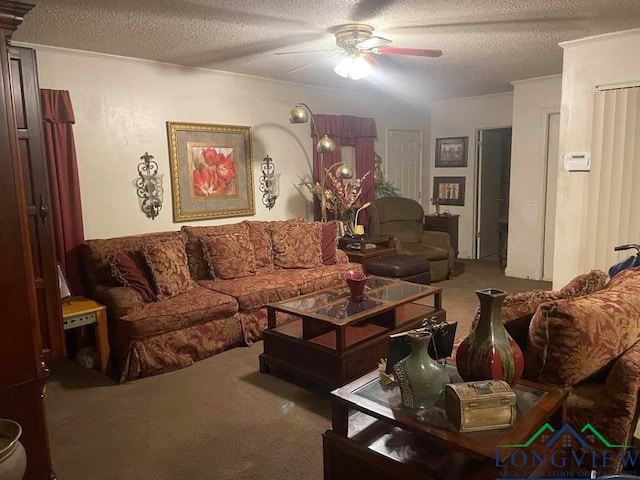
(297, 245)
(169, 267)
(229, 256)
(129, 271)
(260, 235)
(584, 284)
(329, 236)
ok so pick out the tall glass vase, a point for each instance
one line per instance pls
(489, 352)
(420, 377)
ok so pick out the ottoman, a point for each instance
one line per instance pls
(411, 268)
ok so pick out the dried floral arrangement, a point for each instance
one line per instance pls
(341, 198)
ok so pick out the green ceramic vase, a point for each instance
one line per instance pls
(420, 377)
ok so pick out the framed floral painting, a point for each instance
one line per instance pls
(211, 171)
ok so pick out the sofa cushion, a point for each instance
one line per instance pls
(571, 339)
(193, 307)
(97, 254)
(131, 271)
(197, 263)
(168, 263)
(256, 291)
(297, 245)
(229, 256)
(329, 239)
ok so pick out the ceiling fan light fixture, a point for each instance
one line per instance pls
(354, 67)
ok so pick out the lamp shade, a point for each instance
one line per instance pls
(325, 145)
(344, 171)
(63, 285)
(298, 114)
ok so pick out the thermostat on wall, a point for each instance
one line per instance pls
(577, 162)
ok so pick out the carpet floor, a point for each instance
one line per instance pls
(218, 419)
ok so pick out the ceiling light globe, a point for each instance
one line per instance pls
(298, 114)
(325, 145)
(360, 68)
(353, 67)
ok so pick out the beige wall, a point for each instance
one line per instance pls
(459, 118)
(606, 59)
(122, 106)
(533, 100)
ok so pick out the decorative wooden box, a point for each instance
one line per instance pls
(484, 405)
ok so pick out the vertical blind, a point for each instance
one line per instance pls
(614, 185)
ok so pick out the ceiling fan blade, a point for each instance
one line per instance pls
(414, 52)
(301, 67)
(307, 51)
(373, 42)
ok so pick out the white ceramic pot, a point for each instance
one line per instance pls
(13, 458)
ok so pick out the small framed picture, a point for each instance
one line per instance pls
(451, 152)
(449, 190)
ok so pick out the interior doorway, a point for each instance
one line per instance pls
(492, 193)
(404, 163)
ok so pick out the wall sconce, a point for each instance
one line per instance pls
(148, 185)
(298, 114)
(269, 183)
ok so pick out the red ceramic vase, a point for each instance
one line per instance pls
(489, 352)
(356, 281)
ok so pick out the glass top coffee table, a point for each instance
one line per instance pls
(328, 338)
(369, 421)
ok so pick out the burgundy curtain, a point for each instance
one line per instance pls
(66, 206)
(346, 130)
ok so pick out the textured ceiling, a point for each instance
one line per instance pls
(486, 43)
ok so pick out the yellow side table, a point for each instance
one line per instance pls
(79, 311)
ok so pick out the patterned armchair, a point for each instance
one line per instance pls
(402, 218)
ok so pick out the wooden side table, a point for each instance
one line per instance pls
(444, 223)
(79, 311)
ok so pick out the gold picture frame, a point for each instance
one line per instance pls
(211, 171)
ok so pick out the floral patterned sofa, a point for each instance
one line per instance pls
(219, 302)
(585, 337)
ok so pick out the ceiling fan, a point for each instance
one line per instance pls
(357, 46)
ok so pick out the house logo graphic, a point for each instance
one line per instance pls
(563, 453)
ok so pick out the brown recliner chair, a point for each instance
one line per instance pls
(401, 218)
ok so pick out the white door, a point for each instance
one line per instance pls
(404, 165)
(553, 133)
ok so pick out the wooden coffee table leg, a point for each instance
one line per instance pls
(340, 418)
(271, 317)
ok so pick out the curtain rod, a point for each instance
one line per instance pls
(617, 86)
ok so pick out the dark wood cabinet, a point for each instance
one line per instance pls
(22, 370)
(444, 223)
(26, 98)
